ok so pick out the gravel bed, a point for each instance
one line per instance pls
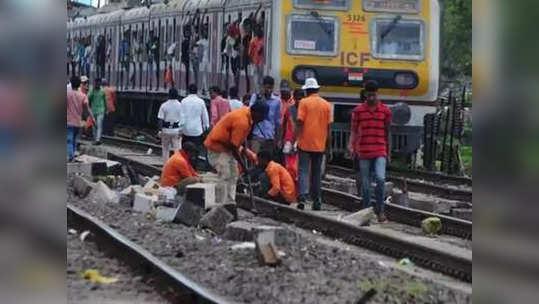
(130, 288)
(311, 272)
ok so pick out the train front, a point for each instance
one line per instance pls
(344, 43)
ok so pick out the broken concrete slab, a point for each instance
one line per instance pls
(102, 194)
(82, 186)
(144, 203)
(201, 194)
(87, 169)
(431, 225)
(188, 214)
(113, 181)
(216, 219)
(360, 218)
(265, 247)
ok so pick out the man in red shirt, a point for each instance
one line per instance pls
(369, 142)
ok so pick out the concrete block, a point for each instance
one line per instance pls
(267, 251)
(87, 169)
(166, 214)
(144, 203)
(201, 194)
(113, 167)
(242, 231)
(465, 214)
(216, 219)
(188, 214)
(81, 186)
(360, 218)
(113, 181)
(102, 194)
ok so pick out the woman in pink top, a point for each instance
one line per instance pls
(219, 105)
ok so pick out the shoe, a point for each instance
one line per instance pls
(317, 206)
(301, 206)
(382, 218)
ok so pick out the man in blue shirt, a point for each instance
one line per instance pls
(266, 134)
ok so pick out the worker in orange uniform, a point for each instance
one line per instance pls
(313, 140)
(224, 144)
(290, 121)
(178, 171)
(276, 182)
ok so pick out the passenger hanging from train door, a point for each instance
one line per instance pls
(100, 56)
(256, 54)
(266, 134)
(234, 42)
(186, 48)
(224, 144)
(276, 182)
(204, 57)
(155, 48)
(124, 60)
(370, 135)
(313, 141)
(179, 170)
(136, 51)
(171, 121)
(109, 58)
(247, 26)
(169, 71)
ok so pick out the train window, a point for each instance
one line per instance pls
(340, 5)
(398, 39)
(393, 6)
(312, 35)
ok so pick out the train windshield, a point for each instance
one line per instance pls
(398, 39)
(322, 4)
(312, 35)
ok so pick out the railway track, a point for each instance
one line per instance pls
(446, 191)
(176, 287)
(456, 264)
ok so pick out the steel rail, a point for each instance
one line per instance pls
(413, 217)
(415, 185)
(165, 277)
(432, 258)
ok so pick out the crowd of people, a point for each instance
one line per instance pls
(278, 141)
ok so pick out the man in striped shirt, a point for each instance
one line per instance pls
(369, 143)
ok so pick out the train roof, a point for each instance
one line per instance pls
(160, 9)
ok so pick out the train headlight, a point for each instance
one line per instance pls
(401, 114)
(303, 73)
(406, 80)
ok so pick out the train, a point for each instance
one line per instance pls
(144, 50)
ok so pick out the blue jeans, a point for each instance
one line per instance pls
(98, 127)
(314, 160)
(365, 166)
(72, 133)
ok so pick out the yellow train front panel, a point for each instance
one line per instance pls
(343, 43)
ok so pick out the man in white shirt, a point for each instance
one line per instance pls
(196, 117)
(171, 121)
(203, 49)
(235, 102)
